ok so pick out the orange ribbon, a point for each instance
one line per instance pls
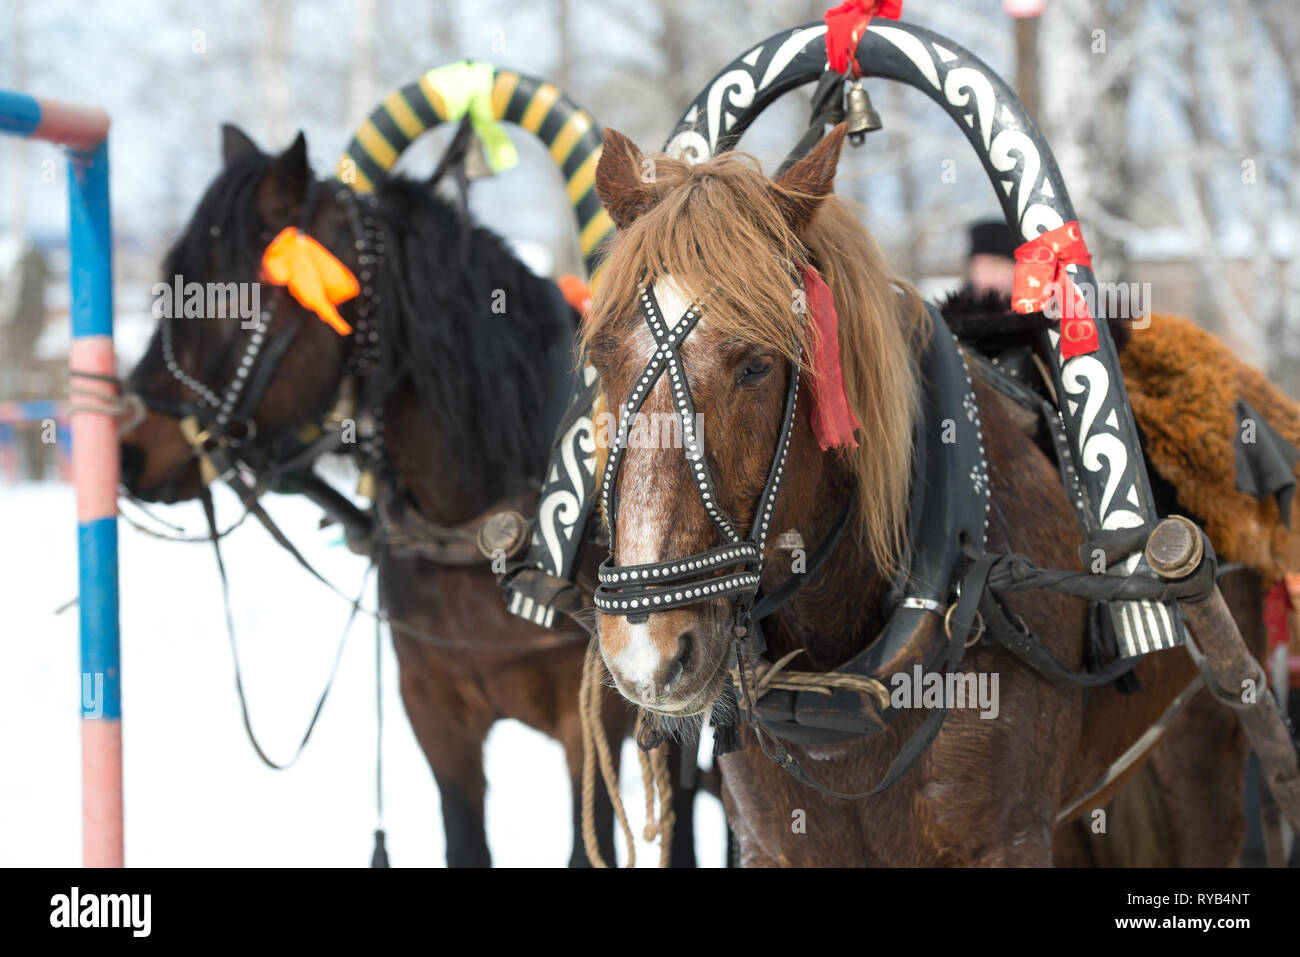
(1041, 271)
(576, 293)
(313, 274)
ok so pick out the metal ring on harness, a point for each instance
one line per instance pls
(947, 624)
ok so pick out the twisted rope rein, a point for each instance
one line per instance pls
(596, 750)
(764, 676)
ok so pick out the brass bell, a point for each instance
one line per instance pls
(476, 164)
(861, 116)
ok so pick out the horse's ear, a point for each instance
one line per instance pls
(805, 184)
(619, 182)
(281, 193)
(235, 144)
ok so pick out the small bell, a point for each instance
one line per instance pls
(861, 116)
(366, 484)
(476, 164)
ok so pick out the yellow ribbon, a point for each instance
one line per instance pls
(466, 87)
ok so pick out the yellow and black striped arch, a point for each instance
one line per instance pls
(541, 108)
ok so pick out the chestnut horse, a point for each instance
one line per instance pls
(464, 359)
(721, 245)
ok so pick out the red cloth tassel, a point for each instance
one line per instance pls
(1040, 271)
(833, 420)
(845, 26)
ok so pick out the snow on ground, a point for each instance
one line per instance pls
(196, 794)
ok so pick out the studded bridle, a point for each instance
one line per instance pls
(634, 591)
(225, 419)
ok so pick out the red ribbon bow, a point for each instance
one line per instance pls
(1041, 274)
(833, 421)
(845, 26)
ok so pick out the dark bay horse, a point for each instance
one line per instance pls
(461, 353)
(721, 246)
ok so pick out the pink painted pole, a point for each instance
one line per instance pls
(95, 462)
(96, 470)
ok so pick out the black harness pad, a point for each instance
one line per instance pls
(949, 505)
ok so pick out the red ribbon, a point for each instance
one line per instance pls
(1277, 614)
(833, 421)
(845, 26)
(1041, 271)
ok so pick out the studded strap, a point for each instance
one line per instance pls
(637, 589)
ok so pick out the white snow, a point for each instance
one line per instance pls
(196, 794)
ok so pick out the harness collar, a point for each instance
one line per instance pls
(635, 590)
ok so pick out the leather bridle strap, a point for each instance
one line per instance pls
(636, 590)
(782, 593)
(209, 513)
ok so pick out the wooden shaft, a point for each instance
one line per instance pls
(1174, 551)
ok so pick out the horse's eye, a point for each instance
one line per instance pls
(754, 372)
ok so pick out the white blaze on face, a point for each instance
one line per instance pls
(643, 508)
(638, 662)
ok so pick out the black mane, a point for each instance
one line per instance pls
(223, 233)
(493, 380)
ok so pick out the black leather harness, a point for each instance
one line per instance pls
(948, 509)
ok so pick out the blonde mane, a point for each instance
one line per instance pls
(718, 227)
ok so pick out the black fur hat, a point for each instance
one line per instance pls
(992, 237)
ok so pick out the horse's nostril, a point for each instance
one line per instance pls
(132, 464)
(681, 662)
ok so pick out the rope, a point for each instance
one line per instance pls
(655, 774)
(657, 780)
(117, 406)
(594, 741)
(773, 676)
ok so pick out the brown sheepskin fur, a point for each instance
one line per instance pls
(1183, 384)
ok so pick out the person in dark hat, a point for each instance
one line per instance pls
(991, 266)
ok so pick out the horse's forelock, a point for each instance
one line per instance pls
(718, 227)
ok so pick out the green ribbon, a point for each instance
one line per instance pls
(466, 87)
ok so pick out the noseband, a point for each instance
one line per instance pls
(634, 591)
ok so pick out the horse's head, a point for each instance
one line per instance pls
(211, 300)
(701, 317)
